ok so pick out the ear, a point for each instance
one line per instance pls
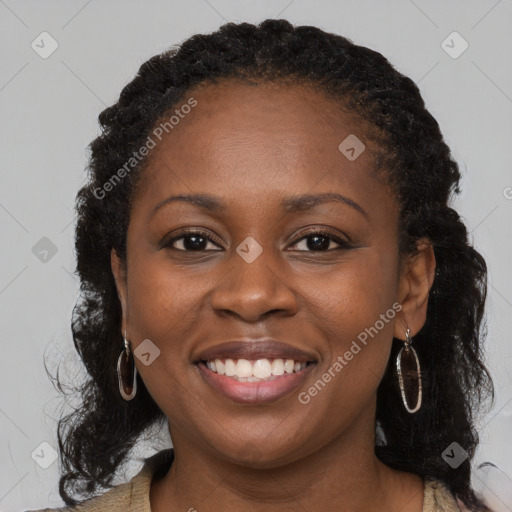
(416, 278)
(119, 272)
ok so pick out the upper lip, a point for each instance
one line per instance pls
(254, 349)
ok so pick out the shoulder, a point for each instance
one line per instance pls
(115, 499)
(439, 498)
(132, 495)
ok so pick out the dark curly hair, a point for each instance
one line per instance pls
(96, 438)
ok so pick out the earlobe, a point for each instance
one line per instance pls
(414, 287)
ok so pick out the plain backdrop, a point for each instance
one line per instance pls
(49, 109)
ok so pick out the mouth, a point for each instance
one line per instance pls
(254, 372)
(259, 370)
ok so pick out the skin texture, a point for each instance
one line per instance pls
(252, 146)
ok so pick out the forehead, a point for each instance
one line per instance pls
(255, 140)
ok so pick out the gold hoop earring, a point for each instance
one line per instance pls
(407, 351)
(127, 372)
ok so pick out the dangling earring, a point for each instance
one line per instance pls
(127, 372)
(407, 350)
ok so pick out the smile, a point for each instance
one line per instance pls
(254, 381)
(244, 370)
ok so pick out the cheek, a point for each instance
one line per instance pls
(161, 309)
(355, 308)
(164, 307)
(351, 296)
(163, 297)
(168, 305)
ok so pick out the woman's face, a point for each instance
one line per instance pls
(258, 272)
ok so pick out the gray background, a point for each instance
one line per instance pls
(49, 115)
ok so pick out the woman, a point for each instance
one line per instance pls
(269, 263)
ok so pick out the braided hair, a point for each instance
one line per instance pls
(96, 438)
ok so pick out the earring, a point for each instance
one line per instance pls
(127, 372)
(408, 351)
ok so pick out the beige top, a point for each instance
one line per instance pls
(133, 496)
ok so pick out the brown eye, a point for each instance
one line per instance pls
(320, 241)
(191, 241)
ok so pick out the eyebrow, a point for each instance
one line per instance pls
(304, 202)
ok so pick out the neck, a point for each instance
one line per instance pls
(343, 475)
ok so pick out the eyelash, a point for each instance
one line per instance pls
(344, 244)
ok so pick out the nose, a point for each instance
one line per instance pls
(252, 290)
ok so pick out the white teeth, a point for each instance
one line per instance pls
(277, 367)
(229, 368)
(262, 369)
(243, 368)
(253, 371)
(220, 366)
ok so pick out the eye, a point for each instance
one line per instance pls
(314, 241)
(320, 240)
(191, 241)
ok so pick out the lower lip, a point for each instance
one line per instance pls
(266, 391)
